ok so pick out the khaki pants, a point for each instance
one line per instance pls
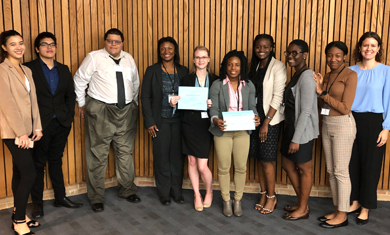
(105, 123)
(338, 135)
(236, 143)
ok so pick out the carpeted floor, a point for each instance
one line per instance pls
(150, 217)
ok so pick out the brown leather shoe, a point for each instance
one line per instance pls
(289, 217)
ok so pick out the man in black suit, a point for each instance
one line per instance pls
(56, 102)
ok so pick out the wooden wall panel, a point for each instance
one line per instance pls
(220, 25)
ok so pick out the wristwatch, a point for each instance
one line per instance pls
(323, 93)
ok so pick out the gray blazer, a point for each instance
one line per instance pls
(306, 110)
(219, 95)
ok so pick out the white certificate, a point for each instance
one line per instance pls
(193, 98)
(239, 120)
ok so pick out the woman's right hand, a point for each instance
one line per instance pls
(219, 123)
(24, 142)
(152, 131)
(319, 80)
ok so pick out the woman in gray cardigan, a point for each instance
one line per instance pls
(231, 93)
(301, 128)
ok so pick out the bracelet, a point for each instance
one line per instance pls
(270, 118)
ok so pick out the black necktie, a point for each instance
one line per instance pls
(120, 87)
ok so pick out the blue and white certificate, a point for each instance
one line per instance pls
(193, 98)
(239, 120)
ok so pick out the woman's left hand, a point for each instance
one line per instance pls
(173, 101)
(257, 120)
(294, 147)
(209, 103)
(263, 132)
(382, 138)
(37, 135)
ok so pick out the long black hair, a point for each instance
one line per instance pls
(255, 60)
(176, 58)
(244, 64)
(4, 36)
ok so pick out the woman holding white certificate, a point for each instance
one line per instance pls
(232, 92)
(195, 129)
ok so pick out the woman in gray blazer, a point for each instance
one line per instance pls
(232, 92)
(301, 128)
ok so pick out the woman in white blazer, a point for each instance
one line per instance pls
(269, 77)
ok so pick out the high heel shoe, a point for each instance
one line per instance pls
(207, 205)
(20, 222)
(31, 224)
(198, 208)
(269, 211)
(258, 206)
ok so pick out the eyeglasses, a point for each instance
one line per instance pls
(45, 44)
(293, 53)
(201, 58)
(112, 41)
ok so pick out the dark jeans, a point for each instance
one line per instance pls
(23, 176)
(50, 148)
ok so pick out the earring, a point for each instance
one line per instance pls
(304, 58)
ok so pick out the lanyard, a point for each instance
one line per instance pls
(333, 81)
(238, 95)
(174, 78)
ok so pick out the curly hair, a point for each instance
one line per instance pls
(357, 56)
(255, 60)
(244, 64)
(4, 36)
(176, 58)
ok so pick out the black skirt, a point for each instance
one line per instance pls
(197, 138)
(305, 152)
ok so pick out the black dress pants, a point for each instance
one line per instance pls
(23, 176)
(168, 158)
(50, 148)
(366, 161)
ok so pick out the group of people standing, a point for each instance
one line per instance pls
(37, 103)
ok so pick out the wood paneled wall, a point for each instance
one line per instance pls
(220, 25)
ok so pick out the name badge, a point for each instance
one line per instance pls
(118, 68)
(204, 115)
(170, 97)
(325, 109)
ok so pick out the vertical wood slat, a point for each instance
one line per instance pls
(220, 25)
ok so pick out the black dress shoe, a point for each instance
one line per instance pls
(355, 211)
(37, 211)
(179, 199)
(165, 201)
(98, 207)
(361, 221)
(326, 225)
(66, 202)
(322, 219)
(133, 198)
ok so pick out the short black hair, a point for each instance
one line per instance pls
(42, 36)
(338, 44)
(356, 52)
(255, 60)
(176, 58)
(244, 64)
(301, 44)
(4, 36)
(114, 31)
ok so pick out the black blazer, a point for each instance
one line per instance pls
(190, 116)
(62, 103)
(152, 93)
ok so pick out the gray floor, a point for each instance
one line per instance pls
(150, 217)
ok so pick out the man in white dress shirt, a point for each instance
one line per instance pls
(110, 110)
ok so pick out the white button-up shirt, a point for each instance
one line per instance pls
(99, 71)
